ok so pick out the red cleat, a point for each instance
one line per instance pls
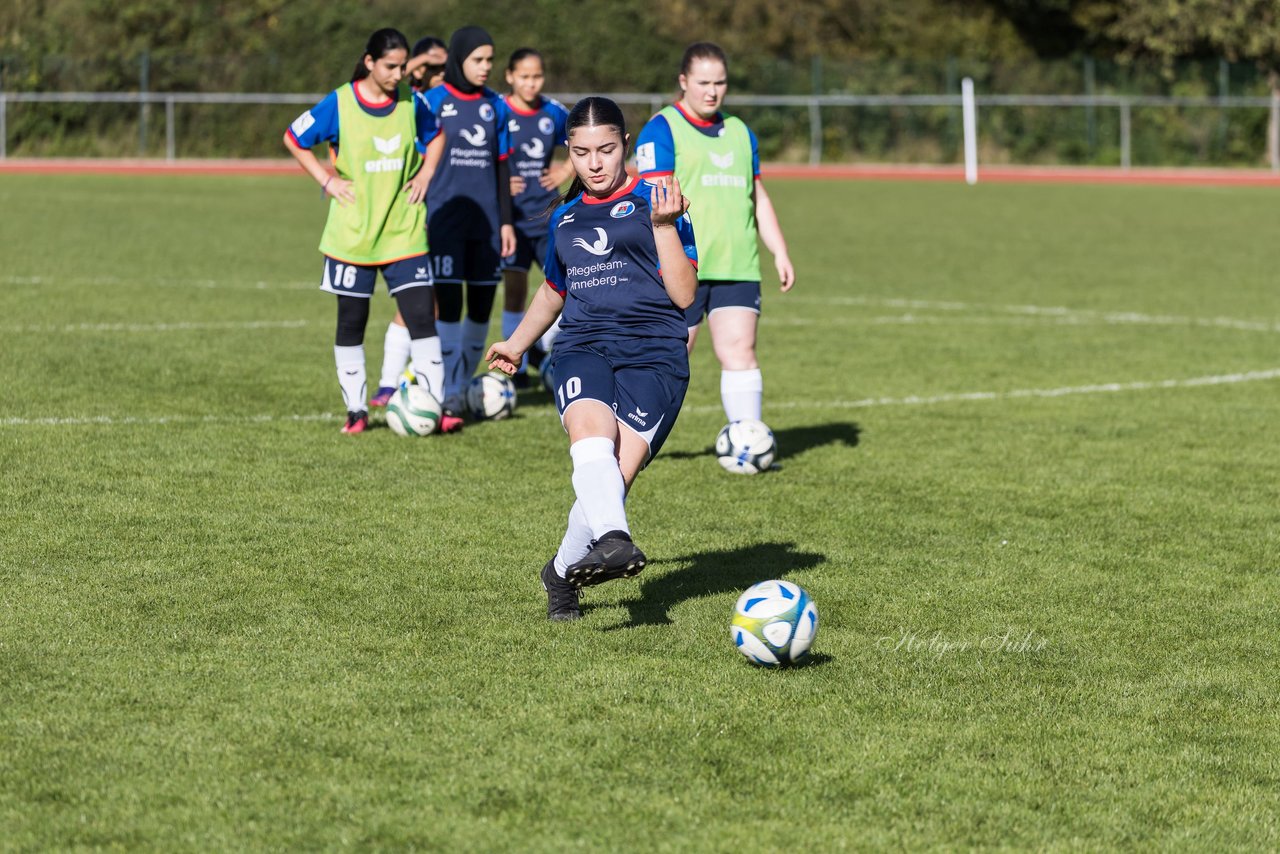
(383, 397)
(449, 423)
(357, 422)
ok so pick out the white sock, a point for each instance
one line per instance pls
(510, 320)
(451, 353)
(742, 393)
(351, 377)
(428, 365)
(576, 542)
(598, 483)
(474, 336)
(395, 352)
(549, 337)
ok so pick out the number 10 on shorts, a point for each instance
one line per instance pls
(568, 390)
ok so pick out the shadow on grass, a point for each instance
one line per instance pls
(792, 441)
(712, 573)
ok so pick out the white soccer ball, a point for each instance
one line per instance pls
(491, 397)
(548, 376)
(774, 623)
(412, 411)
(746, 447)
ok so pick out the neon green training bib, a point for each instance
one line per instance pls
(715, 173)
(380, 155)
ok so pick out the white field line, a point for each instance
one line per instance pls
(154, 327)
(913, 400)
(92, 281)
(1060, 314)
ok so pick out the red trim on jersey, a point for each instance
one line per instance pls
(462, 96)
(519, 111)
(373, 105)
(619, 193)
(656, 174)
(695, 121)
(289, 133)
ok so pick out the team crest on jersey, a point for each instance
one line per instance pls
(545, 125)
(622, 209)
(448, 110)
(486, 112)
(598, 247)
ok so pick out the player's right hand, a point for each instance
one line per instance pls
(340, 189)
(503, 357)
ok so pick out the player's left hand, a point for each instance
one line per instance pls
(786, 272)
(417, 187)
(666, 204)
(517, 185)
(508, 233)
(503, 357)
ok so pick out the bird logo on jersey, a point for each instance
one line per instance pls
(601, 245)
(486, 112)
(387, 146)
(721, 161)
(534, 149)
(476, 137)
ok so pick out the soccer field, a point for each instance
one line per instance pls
(1028, 471)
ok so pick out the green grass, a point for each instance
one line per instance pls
(225, 626)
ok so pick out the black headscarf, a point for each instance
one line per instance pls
(461, 45)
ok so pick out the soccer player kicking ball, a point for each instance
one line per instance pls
(376, 216)
(620, 269)
(718, 163)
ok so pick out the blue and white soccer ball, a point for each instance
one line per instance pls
(491, 397)
(746, 447)
(548, 376)
(774, 623)
(412, 411)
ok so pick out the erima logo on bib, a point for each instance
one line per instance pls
(476, 137)
(387, 146)
(721, 161)
(534, 149)
(622, 209)
(599, 247)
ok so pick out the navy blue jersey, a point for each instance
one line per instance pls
(534, 137)
(320, 123)
(463, 194)
(603, 260)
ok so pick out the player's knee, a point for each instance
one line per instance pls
(353, 317)
(418, 307)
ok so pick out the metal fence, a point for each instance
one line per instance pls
(810, 106)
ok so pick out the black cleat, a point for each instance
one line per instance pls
(612, 556)
(562, 597)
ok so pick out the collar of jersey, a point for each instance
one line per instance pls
(520, 111)
(373, 105)
(695, 121)
(617, 194)
(463, 96)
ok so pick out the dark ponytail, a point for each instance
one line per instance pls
(702, 50)
(380, 44)
(594, 111)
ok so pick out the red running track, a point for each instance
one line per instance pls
(830, 172)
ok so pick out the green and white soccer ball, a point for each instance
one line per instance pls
(413, 411)
(491, 397)
(774, 623)
(746, 447)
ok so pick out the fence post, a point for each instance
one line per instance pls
(815, 132)
(169, 141)
(1090, 112)
(969, 104)
(4, 126)
(1126, 135)
(1273, 128)
(144, 82)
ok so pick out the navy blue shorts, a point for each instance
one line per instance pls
(359, 280)
(715, 295)
(529, 249)
(460, 257)
(643, 379)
